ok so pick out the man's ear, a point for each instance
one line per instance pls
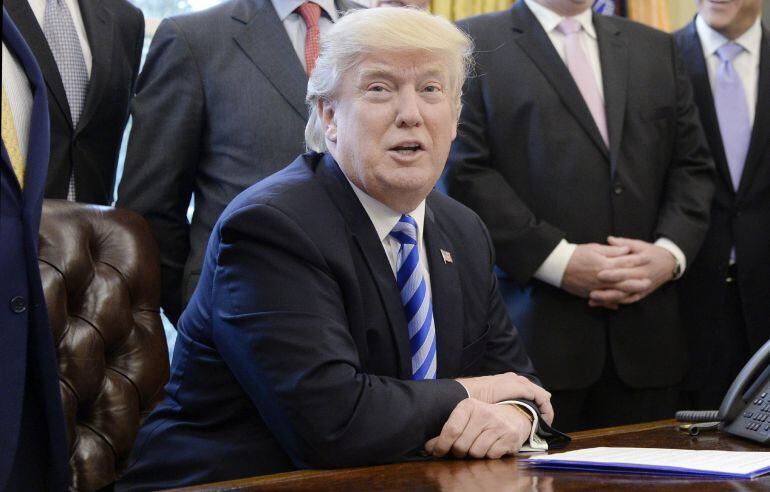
(325, 108)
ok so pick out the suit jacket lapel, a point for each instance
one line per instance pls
(27, 24)
(530, 36)
(446, 292)
(264, 40)
(613, 53)
(370, 246)
(692, 55)
(99, 25)
(760, 137)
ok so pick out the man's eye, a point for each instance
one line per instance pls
(376, 88)
(432, 88)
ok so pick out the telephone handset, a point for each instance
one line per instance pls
(745, 410)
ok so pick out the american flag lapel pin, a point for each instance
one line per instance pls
(447, 256)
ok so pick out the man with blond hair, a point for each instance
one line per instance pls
(347, 314)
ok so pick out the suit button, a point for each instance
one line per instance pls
(617, 188)
(18, 304)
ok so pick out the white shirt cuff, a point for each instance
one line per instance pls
(552, 269)
(535, 442)
(672, 248)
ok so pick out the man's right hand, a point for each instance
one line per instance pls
(509, 386)
(581, 275)
(481, 430)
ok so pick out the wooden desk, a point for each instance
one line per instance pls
(508, 475)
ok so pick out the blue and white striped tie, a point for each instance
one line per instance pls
(415, 297)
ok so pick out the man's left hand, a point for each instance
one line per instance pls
(630, 285)
(481, 430)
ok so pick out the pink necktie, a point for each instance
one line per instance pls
(311, 14)
(578, 65)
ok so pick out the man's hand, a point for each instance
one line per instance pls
(509, 386)
(581, 277)
(481, 430)
(626, 285)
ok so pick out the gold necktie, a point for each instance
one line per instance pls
(11, 141)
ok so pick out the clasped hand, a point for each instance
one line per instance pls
(479, 428)
(623, 271)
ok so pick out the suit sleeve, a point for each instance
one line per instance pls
(279, 322)
(163, 153)
(523, 241)
(689, 189)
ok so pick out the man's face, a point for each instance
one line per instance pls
(567, 8)
(729, 17)
(391, 126)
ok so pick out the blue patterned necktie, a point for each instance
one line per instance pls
(732, 111)
(415, 297)
(59, 30)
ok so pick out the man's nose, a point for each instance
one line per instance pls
(408, 109)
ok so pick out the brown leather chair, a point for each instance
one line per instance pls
(101, 277)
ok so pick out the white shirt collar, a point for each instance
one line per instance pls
(284, 8)
(385, 218)
(550, 20)
(712, 40)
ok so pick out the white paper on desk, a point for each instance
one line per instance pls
(737, 464)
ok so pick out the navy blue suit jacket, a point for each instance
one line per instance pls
(294, 350)
(29, 383)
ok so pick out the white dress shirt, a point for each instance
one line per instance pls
(295, 24)
(20, 99)
(38, 8)
(384, 220)
(552, 269)
(746, 63)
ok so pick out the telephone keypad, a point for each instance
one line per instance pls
(758, 414)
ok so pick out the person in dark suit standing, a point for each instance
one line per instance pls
(89, 52)
(580, 147)
(33, 448)
(219, 106)
(726, 292)
(346, 314)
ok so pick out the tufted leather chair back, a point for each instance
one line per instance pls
(101, 278)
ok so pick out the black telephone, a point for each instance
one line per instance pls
(745, 410)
